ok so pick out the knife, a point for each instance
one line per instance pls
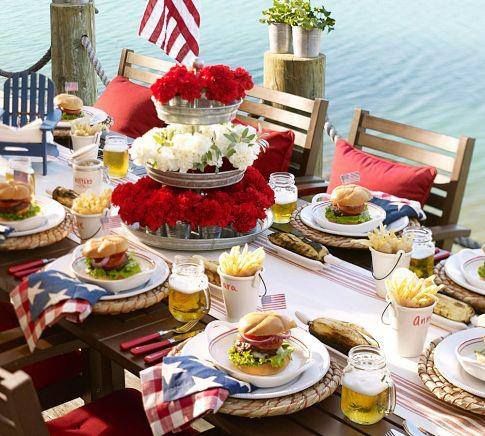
(144, 349)
(151, 359)
(29, 265)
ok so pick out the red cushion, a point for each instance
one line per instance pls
(118, 414)
(377, 174)
(49, 371)
(130, 107)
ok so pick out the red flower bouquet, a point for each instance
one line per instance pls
(151, 205)
(216, 82)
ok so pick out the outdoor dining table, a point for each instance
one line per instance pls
(104, 333)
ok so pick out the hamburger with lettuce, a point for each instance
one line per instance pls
(349, 205)
(16, 202)
(107, 258)
(261, 347)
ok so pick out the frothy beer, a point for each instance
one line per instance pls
(285, 205)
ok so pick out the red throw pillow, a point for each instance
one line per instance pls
(377, 174)
(130, 107)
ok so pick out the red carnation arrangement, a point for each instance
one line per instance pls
(216, 82)
(151, 205)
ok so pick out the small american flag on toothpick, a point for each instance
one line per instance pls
(273, 302)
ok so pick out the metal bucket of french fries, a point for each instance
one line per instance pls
(88, 210)
(240, 273)
(412, 301)
(389, 252)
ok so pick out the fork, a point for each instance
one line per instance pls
(124, 346)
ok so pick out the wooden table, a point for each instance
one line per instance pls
(104, 334)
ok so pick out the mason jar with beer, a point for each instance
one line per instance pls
(368, 393)
(422, 256)
(115, 155)
(286, 196)
(188, 296)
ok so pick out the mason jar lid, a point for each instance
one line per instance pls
(281, 178)
(367, 358)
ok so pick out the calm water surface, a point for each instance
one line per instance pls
(420, 63)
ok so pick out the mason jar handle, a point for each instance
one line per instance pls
(391, 400)
(208, 300)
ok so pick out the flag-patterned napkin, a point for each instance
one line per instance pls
(43, 298)
(182, 389)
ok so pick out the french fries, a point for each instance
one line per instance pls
(89, 203)
(243, 263)
(386, 241)
(83, 127)
(407, 290)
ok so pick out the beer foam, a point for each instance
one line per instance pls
(364, 383)
(116, 147)
(285, 197)
(187, 285)
(422, 252)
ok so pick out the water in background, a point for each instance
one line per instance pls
(420, 63)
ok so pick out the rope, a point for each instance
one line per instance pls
(331, 131)
(86, 43)
(36, 67)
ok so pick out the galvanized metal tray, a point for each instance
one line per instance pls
(200, 244)
(195, 180)
(200, 112)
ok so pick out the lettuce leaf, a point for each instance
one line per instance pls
(34, 209)
(347, 219)
(481, 271)
(247, 358)
(131, 268)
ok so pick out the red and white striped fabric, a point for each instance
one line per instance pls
(173, 25)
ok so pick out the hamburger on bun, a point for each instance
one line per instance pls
(349, 205)
(16, 201)
(261, 347)
(70, 105)
(107, 258)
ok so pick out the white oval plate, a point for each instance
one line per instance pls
(51, 215)
(465, 353)
(96, 115)
(453, 268)
(469, 270)
(198, 346)
(159, 276)
(307, 216)
(449, 367)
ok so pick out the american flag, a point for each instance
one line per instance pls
(273, 302)
(43, 298)
(111, 222)
(182, 389)
(173, 25)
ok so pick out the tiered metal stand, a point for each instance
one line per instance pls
(201, 112)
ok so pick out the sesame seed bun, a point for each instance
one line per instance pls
(68, 103)
(15, 191)
(265, 324)
(105, 246)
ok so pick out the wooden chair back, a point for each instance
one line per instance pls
(412, 145)
(27, 97)
(262, 107)
(20, 412)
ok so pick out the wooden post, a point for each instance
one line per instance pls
(299, 76)
(71, 19)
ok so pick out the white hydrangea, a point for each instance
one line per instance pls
(244, 155)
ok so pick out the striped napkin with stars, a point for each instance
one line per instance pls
(182, 389)
(43, 298)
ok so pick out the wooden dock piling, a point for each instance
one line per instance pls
(70, 20)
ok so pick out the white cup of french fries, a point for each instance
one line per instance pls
(240, 273)
(388, 252)
(88, 210)
(412, 301)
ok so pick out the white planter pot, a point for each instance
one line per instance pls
(280, 38)
(306, 43)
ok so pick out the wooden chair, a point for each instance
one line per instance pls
(451, 156)
(271, 109)
(35, 95)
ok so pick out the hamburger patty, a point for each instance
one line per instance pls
(241, 346)
(340, 210)
(13, 206)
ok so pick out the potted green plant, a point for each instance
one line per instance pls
(308, 24)
(279, 30)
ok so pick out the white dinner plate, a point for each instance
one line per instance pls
(307, 216)
(160, 274)
(198, 346)
(453, 268)
(449, 367)
(466, 355)
(469, 269)
(96, 115)
(51, 214)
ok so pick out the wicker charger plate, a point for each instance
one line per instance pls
(454, 290)
(442, 388)
(282, 405)
(130, 304)
(41, 239)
